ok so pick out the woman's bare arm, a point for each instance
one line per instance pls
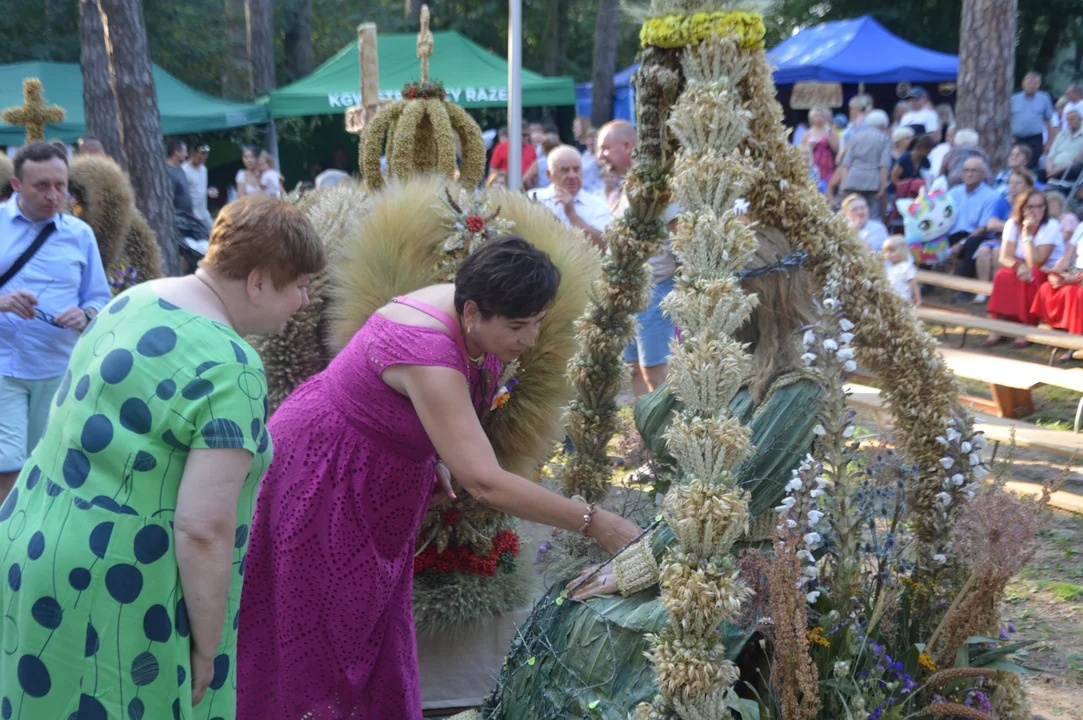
(203, 527)
(442, 402)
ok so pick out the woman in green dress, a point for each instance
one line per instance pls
(122, 545)
(586, 659)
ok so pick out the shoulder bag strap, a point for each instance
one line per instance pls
(28, 253)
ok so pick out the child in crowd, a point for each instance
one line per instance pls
(901, 272)
(269, 179)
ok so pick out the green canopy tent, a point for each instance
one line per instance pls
(473, 77)
(183, 109)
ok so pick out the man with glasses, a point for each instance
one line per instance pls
(974, 201)
(52, 285)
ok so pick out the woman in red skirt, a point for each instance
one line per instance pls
(1059, 302)
(1031, 240)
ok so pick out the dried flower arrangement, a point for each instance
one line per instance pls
(872, 637)
(861, 614)
(417, 133)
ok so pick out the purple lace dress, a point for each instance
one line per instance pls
(326, 627)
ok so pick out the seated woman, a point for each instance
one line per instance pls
(1058, 209)
(597, 646)
(856, 209)
(327, 627)
(1059, 302)
(914, 162)
(1018, 159)
(1019, 181)
(1030, 238)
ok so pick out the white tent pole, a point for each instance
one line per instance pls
(515, 96)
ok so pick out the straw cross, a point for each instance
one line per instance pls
(33, 114)
(424, 44)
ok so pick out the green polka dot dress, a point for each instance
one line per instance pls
(93, 618)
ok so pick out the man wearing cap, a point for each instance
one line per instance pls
(921, 114)
(1032, 115)
(195, 170)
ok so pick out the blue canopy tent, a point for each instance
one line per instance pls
(857, 51)
(850, 52)
(624, 96)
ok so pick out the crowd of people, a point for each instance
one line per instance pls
(1016, 229)
(160, 382)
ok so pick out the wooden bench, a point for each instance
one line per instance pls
(997, 430)
(1042, 336)
(1010, 382)
(955, 282)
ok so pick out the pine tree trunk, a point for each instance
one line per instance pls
(298, 41)
(138, 120)
(555, 37)
(261, 45)
(236, 65)
(99, 103)
(987, 74)
(605, 61)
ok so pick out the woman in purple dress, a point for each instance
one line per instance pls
(326, 625)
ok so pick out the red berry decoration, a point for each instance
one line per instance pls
(475, 223)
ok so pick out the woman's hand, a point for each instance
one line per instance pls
(1022, 271)
(612, 531)
(604, 582)
(443, 490)
(202, 674)
(1055, 280)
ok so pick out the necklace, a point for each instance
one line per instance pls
(480, 360)
(225, 308)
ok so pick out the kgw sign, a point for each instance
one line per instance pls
(491, 94)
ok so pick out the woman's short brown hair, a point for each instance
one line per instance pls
(1021, 202)
(259, 232)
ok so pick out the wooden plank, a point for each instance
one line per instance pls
(1000, 371)
(994, 370)
(1011, 402)
(1060, 442)
(1052, 338)
(1060, 499)
(954, 282)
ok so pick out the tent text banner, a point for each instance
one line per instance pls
(456, 95)
(473, 77)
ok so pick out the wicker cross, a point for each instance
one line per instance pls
(34, 114)
(424, 44)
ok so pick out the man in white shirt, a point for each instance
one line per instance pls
(567, 199)
(195, 170)
(921, 112)
(1062, 163)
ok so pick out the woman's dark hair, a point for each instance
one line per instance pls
(1025, 149)
(923, 142)
(507, 276)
